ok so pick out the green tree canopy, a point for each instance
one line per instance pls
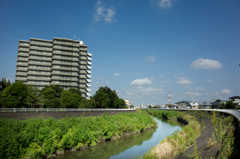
(49, 93)
(17, 95)
(67, 98)
(4, 96)
(230, 105)
(57, 88)
(34, 98)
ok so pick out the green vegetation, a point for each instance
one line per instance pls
(177, 142)
(36, 138)
(18, 95)
(223, 135)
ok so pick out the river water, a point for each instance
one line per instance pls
(127, 146)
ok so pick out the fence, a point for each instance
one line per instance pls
(2, 110)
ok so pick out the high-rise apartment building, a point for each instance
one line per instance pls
(60, 61)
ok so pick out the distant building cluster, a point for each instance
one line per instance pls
(128, 103)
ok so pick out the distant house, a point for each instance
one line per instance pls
(195, 105)
(206, 105)
(235, 99)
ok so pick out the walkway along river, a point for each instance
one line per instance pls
(127, 146)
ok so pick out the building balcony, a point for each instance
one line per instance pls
(62, 48)
(83, 90)
(24, 49)
(83, 62)
(60, 79)
(89, 63)
(89, 54)
(22, 69)
(24, 44)
(61, 84)
(39, 68)
(75, 55)
(82, 81)
(82, 76)
(83, 67)
(88, 80)
(40, 48)
(38, 79)
(22, 59)
(82, 86)
(62, 63)
(75, 49)
(21, 74)
(74, 84)
(41, 43)
(83, 72)
(61, 53)
(88, 94)
(38, 74)
(20, 79)
(40, 58)
(83, 95)
(40, 53)
(83, 58)
(89, 72)
(89, 85)
(88, 89)
(83, 53)
(36, 84)
(62, 58)
(39, 64)
(64, 74)
(83, 49)
(23, 54)
(89, 59)
(89, 67)
(22, 64)
(62, 68)
(89, 76)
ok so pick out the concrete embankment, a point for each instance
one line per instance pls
(59, 115)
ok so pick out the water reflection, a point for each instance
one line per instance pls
(127, 146)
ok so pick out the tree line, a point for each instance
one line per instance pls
(19, 95)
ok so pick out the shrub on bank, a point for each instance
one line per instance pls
(35, 138)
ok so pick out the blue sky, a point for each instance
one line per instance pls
(142, 49)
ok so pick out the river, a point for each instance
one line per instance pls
(127, 146)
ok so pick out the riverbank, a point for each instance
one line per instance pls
(59, 115)
(38, 138)
(215, 138)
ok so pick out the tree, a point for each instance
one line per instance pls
(4, 83)
(17, 95)
(230, 105)
(75, 91)
(218, 100)
(4, 96)
(131, 106)
(66, 98)
(57, 88)
(76, 100)
(33, 97)
(99, 97)
(49, 93)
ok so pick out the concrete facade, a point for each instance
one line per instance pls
(60, 61)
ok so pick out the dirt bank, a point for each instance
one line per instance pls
(58, 115)
(202, 148)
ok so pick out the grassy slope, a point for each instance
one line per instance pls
(35, 138)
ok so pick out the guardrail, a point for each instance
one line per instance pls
(2, 110)
(233, 112)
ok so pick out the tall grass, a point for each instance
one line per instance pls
(36, 138)
(176, 143)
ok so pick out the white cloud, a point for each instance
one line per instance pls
(210, 80)
(129, 93)
(165, 4)
(96, 83)
(104, 13)
(206, 64)
(151, 58)
(192, 93)
(107, 82)
(151, 89)
(175, 75)
(164, 82)
(161, 76)
(225, 91)
(116, 74)
(98, 77)
(184, 81)
(199, 88)
(141, 82)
